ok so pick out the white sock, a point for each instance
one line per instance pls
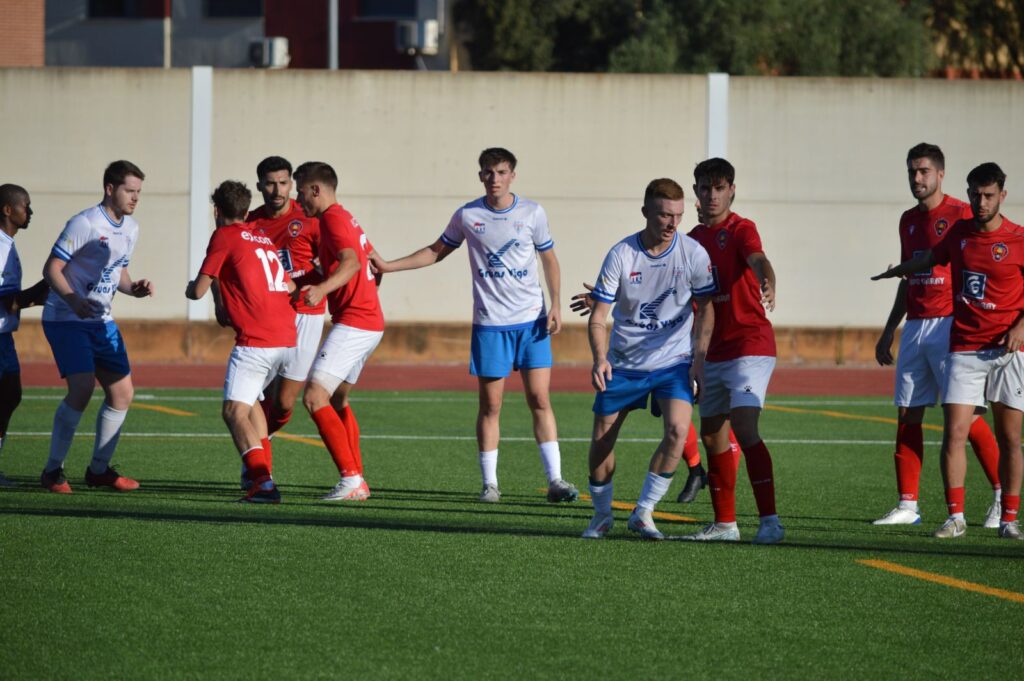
(653, 490)
(997, 494)
(551, 458)
(956, 516)
(908, 505)
(601, 496)
(352, 480)
(108, 431)
(489, 467)
(65, 423)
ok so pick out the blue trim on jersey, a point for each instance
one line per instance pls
(58, 252)
(546, 246)
(448, 242)
(640, 245)
(706, 291)
(603, 296)
(9, 289)
(515, 202)
(112, 223)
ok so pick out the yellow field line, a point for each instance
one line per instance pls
(844, 415)
(299, 438)
(162, 410)
(659, 515)
(945, 581)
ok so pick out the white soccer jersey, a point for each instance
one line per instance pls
(503, 247)
(10, 281)
(95, 249)
(653, 297)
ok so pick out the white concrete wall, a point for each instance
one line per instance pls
(820, 163)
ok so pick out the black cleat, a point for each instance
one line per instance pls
(695, 482)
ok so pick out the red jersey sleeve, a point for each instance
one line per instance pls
(748, 240)
(216, 254)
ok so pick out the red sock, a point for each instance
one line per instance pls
(955, 499)
(985, 447)
(909, 456)
(276, 420)
(348, 417)
(1011, 504)
(722, 484)
(762, 481)
(735, 447)
(334, 435)
(270, 454)
(256, 464)
(691, 453)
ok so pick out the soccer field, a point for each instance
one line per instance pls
(422, 581)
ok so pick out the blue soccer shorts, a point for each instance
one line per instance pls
(8, 355)
(496, 351)
(629, 389)
(81, 347)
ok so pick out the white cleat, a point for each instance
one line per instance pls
(1010, 530)
(900, 516)
(953, 527)
(343, 492)
(770, 532)
(641, 522)
(490, 494)
(992, 515)
(600, 525)
(715, 532)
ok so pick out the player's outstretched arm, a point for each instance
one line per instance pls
(923, 261)
(553, 278)
(428, 255)
(53, 274)
(198, 287)
(348, 265)
(883, 348)
(582, 303)
(765, 274)
(597, 334)
(139, 288)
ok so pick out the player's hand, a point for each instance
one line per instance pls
(697, 377)
(582, 303)
(312, 295)
(83, 307)
(142, 288)
(1014, 338)
(378, 265)
(221, 313)
(554, 321)
(887, 274)
(600, 375)
(883, 348)
(768, 295)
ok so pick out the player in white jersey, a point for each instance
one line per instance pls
(15, 214)
(505, 235)
(652, 278)
(87, 266)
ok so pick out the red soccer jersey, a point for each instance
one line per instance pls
(356, 303)
(742, 328)
(253, 284)
(930, 293)
(298, 242)
(987, 270)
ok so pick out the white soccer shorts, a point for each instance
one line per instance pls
(921, 363)
(993, 375)
(343, 355)
(740, 382)
(250, 370)
(310, 328)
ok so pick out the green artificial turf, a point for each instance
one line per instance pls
(422, 581)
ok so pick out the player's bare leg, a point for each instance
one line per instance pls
(537, 386)
(954, 466)
(118, 394)
(676, 416)
(65, 424)
(1011, 466)
(248, 429)
(488, 434)
(602, 469)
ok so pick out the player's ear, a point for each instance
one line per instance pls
(643, 211)
(108, 189)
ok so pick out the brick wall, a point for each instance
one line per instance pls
(22, 41)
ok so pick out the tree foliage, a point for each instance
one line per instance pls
(982, 38)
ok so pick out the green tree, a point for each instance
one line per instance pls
(986, 38)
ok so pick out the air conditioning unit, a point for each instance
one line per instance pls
(269, 53)
(417, 37)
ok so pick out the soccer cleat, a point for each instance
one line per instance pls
(258, 495)
(992, 515)
(560, 490)
(770, 532)
(900, 516)
(6, 482)
(695, 482)
(343, 492)
(953, 527)
(715, 532)
(1010, 530)
(600, 525)
(641, 522)
(490, 494)
(55, 481)
(110, 478)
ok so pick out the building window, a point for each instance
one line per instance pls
(126, 9)
(234, 9)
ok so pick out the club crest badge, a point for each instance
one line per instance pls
(940, 226)
(294, 228)
(518, 225)
(636, 278)
(721, 238)
(478, 227)
(999, 251)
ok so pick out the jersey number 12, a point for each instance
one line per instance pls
(275, 279)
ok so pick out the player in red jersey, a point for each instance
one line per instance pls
(986, 259)
(741, 356)
(358, 325)
(926, 298)
(255, 286)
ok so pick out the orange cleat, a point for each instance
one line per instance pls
(110, 478)
(55, 481)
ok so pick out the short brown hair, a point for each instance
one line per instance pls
(663, 188)
(316, 171)
(928, 151)
(118, 171)
(494, 156)
(232, 199)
